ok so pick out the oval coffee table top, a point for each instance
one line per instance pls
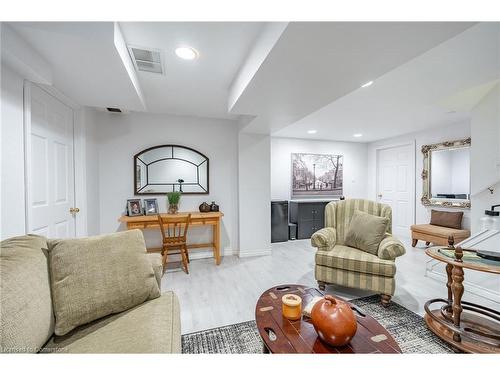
(281, 335)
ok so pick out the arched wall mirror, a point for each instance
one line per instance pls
(162, 169)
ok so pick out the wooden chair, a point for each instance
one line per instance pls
(174, 230)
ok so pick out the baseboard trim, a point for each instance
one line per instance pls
(204, 254)
(254, 253)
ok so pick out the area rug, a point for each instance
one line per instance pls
(408, 329)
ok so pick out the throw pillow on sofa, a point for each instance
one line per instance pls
(366, 231)
(96, 276)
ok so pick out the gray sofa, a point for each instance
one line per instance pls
(28, 319)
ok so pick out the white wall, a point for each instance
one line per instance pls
(91, 171)
(121, 136)
(254, 186)
(485, 155)
(355, 172)
(434, 135)
(12, 155)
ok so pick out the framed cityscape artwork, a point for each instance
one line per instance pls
(317, 175)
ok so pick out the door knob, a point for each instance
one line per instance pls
(74, 210)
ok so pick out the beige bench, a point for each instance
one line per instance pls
(436, 234)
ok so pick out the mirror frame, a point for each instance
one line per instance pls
(136, 156)
(427, 199)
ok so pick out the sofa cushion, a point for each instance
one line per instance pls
(439, 231)
(96, 276)
(26, 315)
(366, 231)
(152, 327)
(447, 219)
(348, 258)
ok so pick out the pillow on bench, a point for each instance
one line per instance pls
(447, 219)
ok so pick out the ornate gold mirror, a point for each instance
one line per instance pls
(446, 174)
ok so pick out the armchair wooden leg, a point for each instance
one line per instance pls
(385, 299)
(321, 285)
(414, 242)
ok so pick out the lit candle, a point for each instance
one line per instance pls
(292, 306)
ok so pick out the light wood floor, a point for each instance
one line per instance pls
(213, 296)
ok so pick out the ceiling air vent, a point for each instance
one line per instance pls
(110, 109)
(146, 59)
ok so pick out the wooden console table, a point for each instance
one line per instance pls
(197, 219)
(467, 326)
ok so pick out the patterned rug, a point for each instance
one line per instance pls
(408, 329)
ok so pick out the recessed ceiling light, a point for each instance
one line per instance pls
(367, 84)
(186, 53)
(312, 131)
(357, 135)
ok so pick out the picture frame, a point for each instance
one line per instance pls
(134, 207)
(317, 175)
(151, 206)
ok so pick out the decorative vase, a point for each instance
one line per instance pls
(204, 207)
(214, 207)
(173, 208)
(333, 321)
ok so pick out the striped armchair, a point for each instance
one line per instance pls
(339, 264)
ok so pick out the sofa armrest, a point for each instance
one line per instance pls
(390, 248)
(324, 238)
(155, 259)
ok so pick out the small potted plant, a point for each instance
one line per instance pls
(173, 201)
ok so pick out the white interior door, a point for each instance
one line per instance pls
(49, 165)
(396, 185)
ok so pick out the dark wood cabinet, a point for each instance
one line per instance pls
(309, 217)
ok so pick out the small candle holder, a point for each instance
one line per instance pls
(292, 306)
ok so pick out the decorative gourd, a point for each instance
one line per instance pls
(333, 321)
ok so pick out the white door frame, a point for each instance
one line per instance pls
(412, 177)
(79, 164)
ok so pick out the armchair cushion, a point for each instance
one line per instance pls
(351, 259)
(324, 238)
(366, 231)
(390, 248)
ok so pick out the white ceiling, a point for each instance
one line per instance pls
(417, 95)
(88, 68)
(85, 63)
(308, 76)
(199, 87)
(314, 64)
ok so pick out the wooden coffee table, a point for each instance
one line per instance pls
(281, 335)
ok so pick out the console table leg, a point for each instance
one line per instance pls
(216, 241)
(458, 291)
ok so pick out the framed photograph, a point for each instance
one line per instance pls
(151, 206)
(317, 175)
(134, 207)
